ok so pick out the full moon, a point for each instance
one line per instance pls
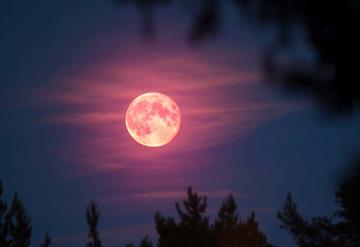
(153, 119)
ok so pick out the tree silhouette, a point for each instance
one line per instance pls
(194, 229)
(327, 26)
(146, 15)
(232, 232)
(227, 218)
(47, 241)
(19, 224)
(3, 221)
(92, 218)
(15, 224)
(342, 229)
(146, 242)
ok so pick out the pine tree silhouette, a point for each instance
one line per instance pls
(342, 229)
(3, 225)
(227, 218)
(146, 242)
(92, 218)
(250, 235)
(194, 229)
(19, 224)
(15, 224)
(230, 231)
(47, 241)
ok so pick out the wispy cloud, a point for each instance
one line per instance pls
(180, 194)
(217, 99)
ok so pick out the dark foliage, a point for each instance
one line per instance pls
(194, 229)
(3, 224)
(232, 232)
(146, 242)
(92, 218)
(47, 241)
(19, 224)
(145, 9)
(15, 224)
(342, 229)
(329, 28)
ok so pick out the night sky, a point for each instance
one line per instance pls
(69, 70)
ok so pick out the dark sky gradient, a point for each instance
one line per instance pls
(69, 69)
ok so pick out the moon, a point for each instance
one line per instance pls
(153, 119)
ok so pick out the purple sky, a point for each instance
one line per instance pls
(69, 69)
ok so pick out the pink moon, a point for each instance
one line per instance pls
(153, 119)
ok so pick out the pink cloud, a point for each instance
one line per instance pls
(181, 194)
(215, 96)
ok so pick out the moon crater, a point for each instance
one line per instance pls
(153, 119)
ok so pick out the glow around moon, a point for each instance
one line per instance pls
(153, 119)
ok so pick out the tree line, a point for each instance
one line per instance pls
(194, 229)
